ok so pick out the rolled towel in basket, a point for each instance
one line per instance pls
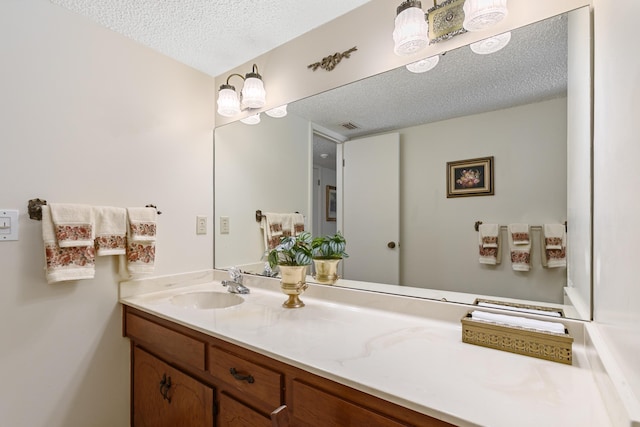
(522, 322)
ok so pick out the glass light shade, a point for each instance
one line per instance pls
(423, 65)
(253, 93)
(491, 45)
(481, 14)
(410, 33)
(228, 103)
(277, 112)
(251, 120)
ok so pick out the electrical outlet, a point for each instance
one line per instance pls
(224, 225)
(201, 225)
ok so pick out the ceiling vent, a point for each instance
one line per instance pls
(350, 126)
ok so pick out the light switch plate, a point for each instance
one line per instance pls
(8, 225)
(224, 225)
(201, 224)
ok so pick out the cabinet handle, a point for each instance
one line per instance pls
(165, 385)
(239, 377)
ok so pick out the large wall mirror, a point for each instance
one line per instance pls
(528, 106)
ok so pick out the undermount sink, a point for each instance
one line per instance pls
(205, 300)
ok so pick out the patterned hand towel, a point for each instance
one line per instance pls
(520, 251)
(73, 224)
(64, 263)
(488, 243)
(555, 241)
(111, 230)
(272, 229)
(141, 241)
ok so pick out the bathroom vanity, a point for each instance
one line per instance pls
(349, 357)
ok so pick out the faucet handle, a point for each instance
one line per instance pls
(235, 274)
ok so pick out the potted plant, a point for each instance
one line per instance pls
(327, 251)
(292, 256)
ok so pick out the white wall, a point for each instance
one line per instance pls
(265, 166)
(616, 182)
(438, 241)
(90, 117)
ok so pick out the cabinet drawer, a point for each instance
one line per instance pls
(235, 414)
(315, 407)
(175, 345)
(252, 380)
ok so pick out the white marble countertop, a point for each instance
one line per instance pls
(415, 360)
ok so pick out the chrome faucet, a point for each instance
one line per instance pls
(235, 287)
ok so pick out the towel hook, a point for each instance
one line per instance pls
(259, 215)
(477, 225)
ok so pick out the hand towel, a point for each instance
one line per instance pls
(521, 251)
(141, 241)
(294, 224)
(489, 244)
(517, 321)
(111, 230)
(66, 263)
(519, 234)
(73, 224)
(555, 241)
(271, 225)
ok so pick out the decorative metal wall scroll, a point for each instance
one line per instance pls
(329, 62)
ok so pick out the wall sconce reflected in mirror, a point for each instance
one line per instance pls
(253, 94)
(251, 120)
(277, 112)
(424, 65)
(491, 45)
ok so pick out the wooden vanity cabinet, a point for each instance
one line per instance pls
(218, 383)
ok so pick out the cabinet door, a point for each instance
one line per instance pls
(235, 414)
(164, 396)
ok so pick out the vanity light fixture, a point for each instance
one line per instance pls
(492, 44)
(410, 32)
(424, 65)
(481, 14)
(251, 120)
(277, 112)
(253, 94)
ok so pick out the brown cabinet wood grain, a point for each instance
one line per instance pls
(163, 396)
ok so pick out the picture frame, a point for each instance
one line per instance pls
(471, 177)
(331, 203)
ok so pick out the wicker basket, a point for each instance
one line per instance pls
(528, 342)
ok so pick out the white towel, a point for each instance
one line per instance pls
(66, 263)
(489, 235)
(519, 234)
(555, 242)
(489, 244)
(73, 224)
(275, 226)
(111, 230)
(522, 322)
(520, 251)
(142, 224)
(141, 241)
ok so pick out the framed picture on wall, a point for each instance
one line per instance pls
(331, 203)
(472, 177)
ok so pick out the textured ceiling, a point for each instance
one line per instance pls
(212, 36)
(531, 68)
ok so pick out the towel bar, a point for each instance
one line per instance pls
(34, 208)
(260, 215)
(476, 226)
